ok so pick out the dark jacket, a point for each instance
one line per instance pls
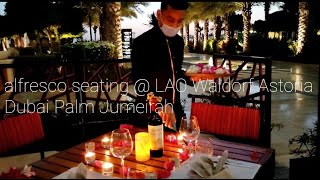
(151, 61)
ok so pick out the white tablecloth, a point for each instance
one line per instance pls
(235, 169)
(90, 175)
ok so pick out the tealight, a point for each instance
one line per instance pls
(105, 142)
(107, 169)
(90, 157)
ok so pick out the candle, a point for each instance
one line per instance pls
(105, 142)
(90, 157)
(142, 146)
(180, 139)
(107, 169)
(90, 146)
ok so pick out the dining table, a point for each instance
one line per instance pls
(56, 164)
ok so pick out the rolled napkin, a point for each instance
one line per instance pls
(81, 172)
(206, 168)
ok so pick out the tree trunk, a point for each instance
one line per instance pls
(303, 25)
(25, 40)
(246, 15)
(226, 28)
(187, 35)
(206, 34)
(266, 17)
(4, 44)
(90, 24)
(217, 28)
(196, 34)
(181, 32)
(111, 26)
(7, 43)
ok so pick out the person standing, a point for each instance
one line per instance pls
(157, 57)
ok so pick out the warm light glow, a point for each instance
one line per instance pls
(107, 165)
(105, 142)
(180, 137)
(90, 157)
(107, 153)
(106, 139)
(180, 150)
(107, 169)
(210, 61)
(142, 146)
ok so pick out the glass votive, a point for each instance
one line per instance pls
(204, 146)
(151, 175)
(107, 169)
(105, 142)
(140, 172)
(90, 146)
(90, 157)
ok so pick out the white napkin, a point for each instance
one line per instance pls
(81, 172)
(205, 167)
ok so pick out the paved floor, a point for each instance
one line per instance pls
(295, 109)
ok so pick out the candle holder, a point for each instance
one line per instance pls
(105, 142)
(90, 146)
(107, 169)
(90, 157)
(142, 146)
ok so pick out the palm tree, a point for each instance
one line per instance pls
(110, 28)
(206, 34)
(217, 27)
(92, 11)
(303, 25)
(226, 27)
(110, 21)
(246, 14)
(186, 27)
(209, 10)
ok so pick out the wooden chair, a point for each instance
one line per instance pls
(229, 122)
(20, 134)
(243, 116)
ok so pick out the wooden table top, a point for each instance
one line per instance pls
(58, 163)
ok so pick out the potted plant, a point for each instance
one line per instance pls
(87, 51)
(304, 145)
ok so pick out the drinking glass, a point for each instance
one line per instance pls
(121, 144)
(140, 172)
(190, 130)
(204, 146)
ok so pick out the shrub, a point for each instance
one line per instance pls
(269, 47)
(97, 50)
(293, 46)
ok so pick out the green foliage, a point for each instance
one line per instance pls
(90, 45)
(269, 47)
(306, 143)
(214, 46)
(94, 50)
(293, 46)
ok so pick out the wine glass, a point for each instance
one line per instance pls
(190, 130)
(121, 144)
